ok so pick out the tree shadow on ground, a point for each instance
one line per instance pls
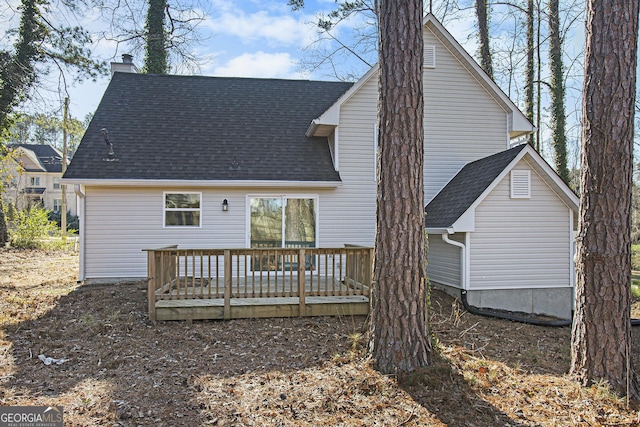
(445, 393)
(123, 369)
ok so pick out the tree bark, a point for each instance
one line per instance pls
(483, 34)
(399, 332)
(558, 120)
(601, 336)
(530, 72)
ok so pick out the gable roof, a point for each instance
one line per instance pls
(476, 179)
(518, 124)
(48, 158)
(193, 128)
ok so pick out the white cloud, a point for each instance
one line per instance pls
(274, 29)
(259, 64)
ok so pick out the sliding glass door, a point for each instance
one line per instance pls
(283, 222)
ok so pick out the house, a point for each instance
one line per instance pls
(34, 177)
(211, 162)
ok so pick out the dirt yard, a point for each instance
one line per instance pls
(119, 369)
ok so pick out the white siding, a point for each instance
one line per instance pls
(444, 261)
(521, 243)
(120, 223)
(349, 212)
(462, 121)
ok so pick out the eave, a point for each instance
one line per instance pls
(199, 183)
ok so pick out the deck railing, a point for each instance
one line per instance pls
(176, 273)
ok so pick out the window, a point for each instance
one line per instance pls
(57, 205)
(182, 209)
(282, 222)
(520, 184)
(34, 181)
(56, 183)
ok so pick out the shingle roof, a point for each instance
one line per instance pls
(465, 188)
(208, 128)
(48, 156)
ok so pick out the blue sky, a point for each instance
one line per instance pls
(250, 38)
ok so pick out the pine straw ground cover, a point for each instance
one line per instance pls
(124, 370)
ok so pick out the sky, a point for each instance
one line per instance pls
(244, 38)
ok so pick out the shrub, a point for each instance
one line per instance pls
(29, 228)
(73, 223)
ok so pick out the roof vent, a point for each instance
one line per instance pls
(430, 56)
(520, 184)
(111, 156)
(127, 58)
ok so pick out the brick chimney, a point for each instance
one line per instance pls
(126, 66)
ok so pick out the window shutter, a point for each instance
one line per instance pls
(430, 57)
(520, 184)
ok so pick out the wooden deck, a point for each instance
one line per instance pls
(253, 308)
(190, 284)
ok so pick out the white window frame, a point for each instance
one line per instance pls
(34, 181)
(57, 205)
(518, 178)
(56, 183)
(284, 198)
(165, 209)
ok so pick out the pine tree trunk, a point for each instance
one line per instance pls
(557, 93)
(400, 339)
(530, 73)
(483, 34)
(601, 336)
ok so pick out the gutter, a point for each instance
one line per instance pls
(463, 257)
(198, 183)
(77, 188)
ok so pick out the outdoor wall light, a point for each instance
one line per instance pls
(225, 205)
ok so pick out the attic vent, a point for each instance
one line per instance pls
(430, 57)
(520, 184)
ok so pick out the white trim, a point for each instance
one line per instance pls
(336, 149)
(165, 210)
(82, 224)
(173, 183)
(566, 195)
(572, 237)
(375, 152)
(523, 125)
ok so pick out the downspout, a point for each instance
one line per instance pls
(463, 257)
(77, 188)
(489, 313)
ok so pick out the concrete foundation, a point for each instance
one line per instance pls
(556, 302)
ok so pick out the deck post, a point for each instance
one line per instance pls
(227, 284)
(151, 284)
(301, 282)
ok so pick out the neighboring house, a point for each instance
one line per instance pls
(232, 162)
(34, 178)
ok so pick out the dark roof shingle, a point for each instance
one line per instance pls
(208, 128)
(465, 188)
(49, 158)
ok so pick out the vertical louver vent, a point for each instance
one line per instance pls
(520, 184)
(430, 57)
